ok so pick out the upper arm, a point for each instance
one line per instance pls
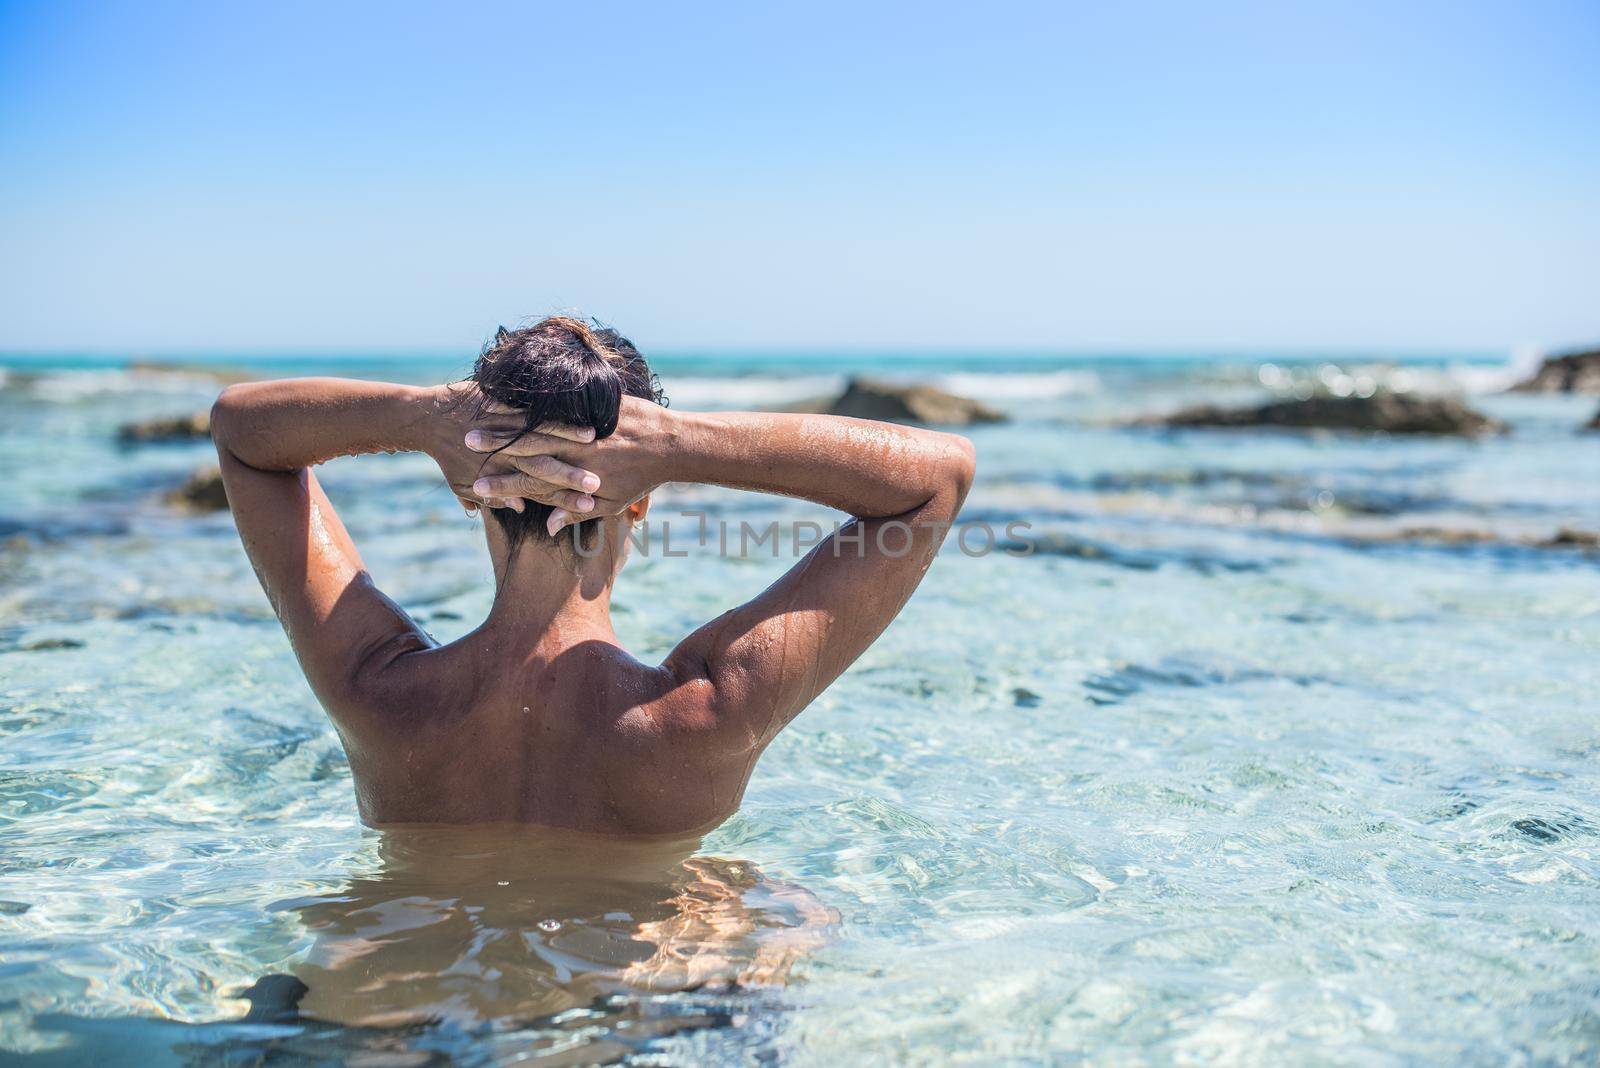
(769, 658)
(342, 628)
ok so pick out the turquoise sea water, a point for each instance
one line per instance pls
(1245, 764)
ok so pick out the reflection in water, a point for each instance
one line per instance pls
(493, 926)
(491, 945)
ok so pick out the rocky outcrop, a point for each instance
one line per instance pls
(867, 398)
(1395, 413)
(1585, 541)
(203, 492)
(225, 376)
(1571, 538)
(196, 427)
(1575, 372)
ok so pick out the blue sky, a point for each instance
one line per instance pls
(1375, 176)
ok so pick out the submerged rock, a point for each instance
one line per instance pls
(1125, 679)
(1439, 536)
(1571, 538)
(195, 427)
(1549, 830)
(1593, 424)
(203, 492)
(1585, 541)
(46, 645)
(226, 376)
(867, 398)
(1062, 543)
(1572, 372)
(1395, 413)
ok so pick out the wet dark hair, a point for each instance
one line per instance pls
(561, 370)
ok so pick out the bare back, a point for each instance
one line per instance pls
(540, 716)
(583, 737)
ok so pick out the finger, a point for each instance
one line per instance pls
(515, 442)
(491, 406)
(557, 520)
(549, 469)
(582, 434)
(555, 496)
(500, 486)
(519, 484)
(572, 501)
(512, 441)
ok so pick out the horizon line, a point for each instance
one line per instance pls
(1285, 351)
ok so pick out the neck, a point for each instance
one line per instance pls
(550, 589)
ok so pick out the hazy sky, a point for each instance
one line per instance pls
(1388, 175)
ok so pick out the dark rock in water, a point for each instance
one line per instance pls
(202, 493)
(1056, 543)
(1549, 830)
(274, 999)
(223, 375)
(866, 398)
(1573, 372)
(1564, 538)
(1593, 424)
(1569, 538)
(1125, 679)
(45, 645)
(1396, 413)
(1060, 543)
(1023, 697)
(196, 427)
(1442, 535)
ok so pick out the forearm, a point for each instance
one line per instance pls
(293, 423)
(869, 469)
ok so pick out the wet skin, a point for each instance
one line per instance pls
(506, 923)
(540, 716)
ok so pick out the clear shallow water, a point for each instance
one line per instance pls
(1222, 773)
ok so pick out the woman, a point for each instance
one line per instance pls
(539, 715)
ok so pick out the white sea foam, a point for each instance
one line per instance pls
(747, 391)
(1362, 379)
(1469, 378)
(66, 387)
(1020, 385)
(736, 391)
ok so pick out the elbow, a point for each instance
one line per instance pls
(225, 416)
(960, 467)
(233, 416)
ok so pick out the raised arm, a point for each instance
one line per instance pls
(870, 470)
(766, 660)
(268, 435)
